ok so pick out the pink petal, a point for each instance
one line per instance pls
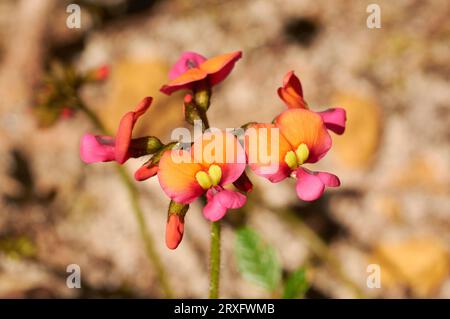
(231, 199)
(125, 130)
(213, 210)
(221, 200)
(330, 180)
(96, 148)
(188, 60)
(334, 119)
(311, 185)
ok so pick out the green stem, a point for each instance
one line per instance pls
(214, 257)
(133, 194)
(214, 260)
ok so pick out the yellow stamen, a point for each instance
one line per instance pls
(215, 174)
(302, 153)
(203, 179)
(291, 160)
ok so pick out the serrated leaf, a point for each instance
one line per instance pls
(257, 260)
(296, 285)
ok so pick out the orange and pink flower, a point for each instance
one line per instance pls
(214, 161)
(192, 69)
(302, 138)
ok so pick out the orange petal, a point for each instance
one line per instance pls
(177, 178)
(185, 80)
(303, 126)
(223, 149)
(220, 66)
(266, 148)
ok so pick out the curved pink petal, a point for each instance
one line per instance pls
(219, 201)
(97, 148)
(231, 199)
(125, 130)
(213, 210)
(334, 119)
(309, 186)
(188, 60)
(330, 180)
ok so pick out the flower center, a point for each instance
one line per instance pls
(297, 158)
(211, 178)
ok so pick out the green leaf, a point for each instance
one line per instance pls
(256, 260)
(296, 285)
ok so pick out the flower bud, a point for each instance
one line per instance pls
(144, 146)
(175, 224)
(146, 171)
(101, 73)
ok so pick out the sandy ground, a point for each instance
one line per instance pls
(393, 208)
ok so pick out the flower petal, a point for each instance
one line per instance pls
(125, 130)
(220, 66)
(218, 202)
(188, 60)
(184, 81)
(309, 186)
(291, 92)
(330, 180)
(303, 126)
(264, 158)
(213, 209)
(223, 149)
(177, 178)
(230, 199)
(334, 119)
(97, 148)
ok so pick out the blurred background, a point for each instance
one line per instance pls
(393, 208)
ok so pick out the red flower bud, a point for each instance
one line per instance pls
(145, 172)
(174, 230)
(102, 73)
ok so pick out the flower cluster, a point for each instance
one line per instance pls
(213, 162)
